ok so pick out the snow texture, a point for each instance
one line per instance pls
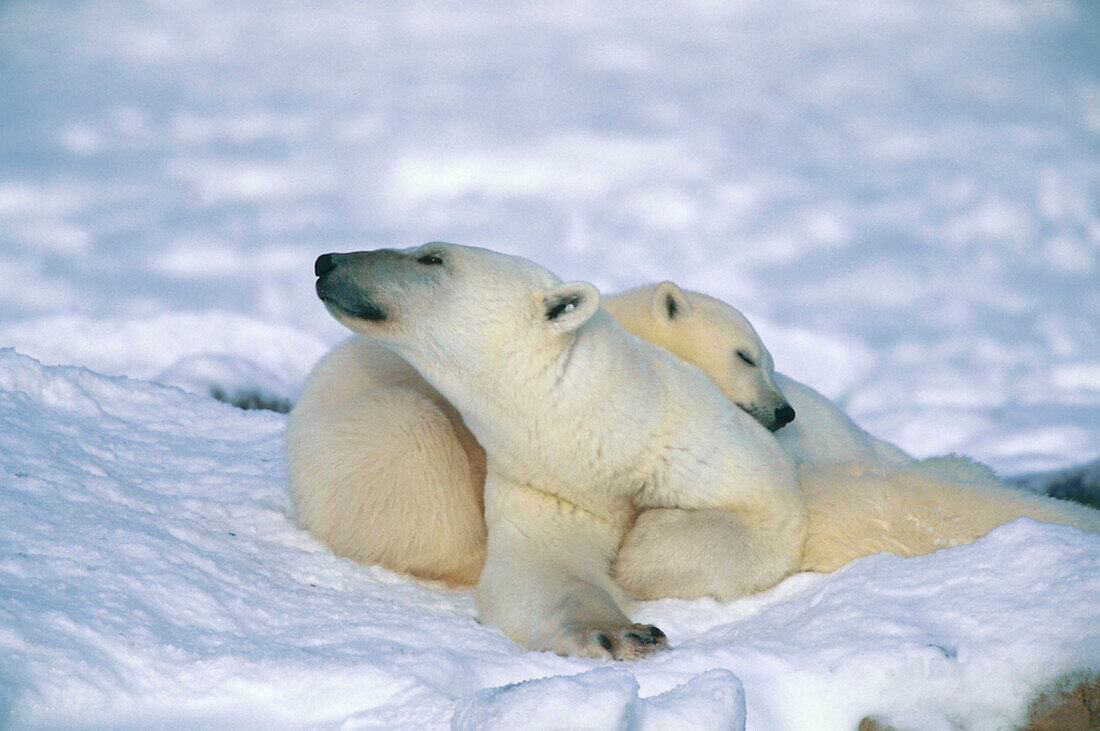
(903, 196)
(151, 572)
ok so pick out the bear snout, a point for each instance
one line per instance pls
(325, 263)
(784, 415)
(342, 295)
(772, 420)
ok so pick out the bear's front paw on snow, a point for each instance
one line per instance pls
(632, 642)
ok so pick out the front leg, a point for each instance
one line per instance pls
(720, 553)
(546, 581)
(724, 519)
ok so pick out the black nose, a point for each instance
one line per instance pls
(784, 414)
(325, 263)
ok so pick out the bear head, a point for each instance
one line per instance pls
(715, 337)
(453, 305)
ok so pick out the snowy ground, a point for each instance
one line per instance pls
(902, 195)
(152, 574)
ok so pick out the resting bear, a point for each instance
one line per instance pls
(716, 337)
(583, 427)
(863, 495)
(384, 471)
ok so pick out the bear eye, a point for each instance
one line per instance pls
(430, 259)
(746, 358)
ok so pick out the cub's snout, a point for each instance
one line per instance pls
(783, 415)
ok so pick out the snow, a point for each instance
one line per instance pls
(902, 197)
(152, 573)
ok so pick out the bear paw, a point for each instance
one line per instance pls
(632, 642)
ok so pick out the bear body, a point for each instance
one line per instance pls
(583, 427)
(822, 434)
(863, 495)
(382, 469)
(385, 471)
(857, 509)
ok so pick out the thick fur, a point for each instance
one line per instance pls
(857, 510)
(382, 469)
(385, 472)
(863, 495)
(583, 427)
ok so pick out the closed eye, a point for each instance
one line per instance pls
(746, 358)
(430, 260)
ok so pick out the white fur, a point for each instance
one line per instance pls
(863, 495)
(382, 469)
(583, 426)
(857, 510)
(710, 334)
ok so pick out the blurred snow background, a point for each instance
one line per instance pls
(903, 196)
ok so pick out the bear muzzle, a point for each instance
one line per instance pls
(767, 418)
(783, 415)
(341, 294)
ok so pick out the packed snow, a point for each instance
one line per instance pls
(901, 195)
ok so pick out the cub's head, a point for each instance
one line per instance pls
(452, 304)
(711, 335)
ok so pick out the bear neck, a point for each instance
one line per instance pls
(540, 383)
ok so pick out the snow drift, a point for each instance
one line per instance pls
(151, 572)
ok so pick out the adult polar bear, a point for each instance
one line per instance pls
(384, 471)
(583, 426)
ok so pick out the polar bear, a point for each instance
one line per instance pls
(583, 427)
(722, 342)
(863, 495)
(383, 470)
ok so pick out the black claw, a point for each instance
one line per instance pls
(604, 640)
(648, 636)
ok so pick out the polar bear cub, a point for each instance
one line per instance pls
(716, 337)
(583, 426)
(863, 495)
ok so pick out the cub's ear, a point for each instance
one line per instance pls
(568, 306)
(669, 302)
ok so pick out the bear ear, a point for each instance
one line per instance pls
(570, 305)
(669, 302)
